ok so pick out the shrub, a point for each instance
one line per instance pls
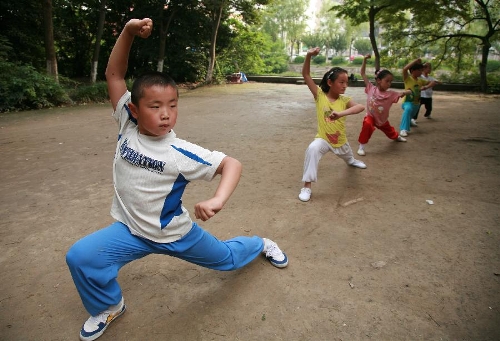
(22, 88)
(97, 92)
(299, 60)
(337, 60)
(493, 65)
(319, 59)
(357, 61)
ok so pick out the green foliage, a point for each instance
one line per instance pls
(363, 46)
(319, 59)
(97, 92)
(493, 65)
(243, 52)
(338, 61)
(299, 60)
(22, 88)
(357, 61)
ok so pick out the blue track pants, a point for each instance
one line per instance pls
(94, 261)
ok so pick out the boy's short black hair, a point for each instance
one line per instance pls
(150, 79)
(416, 66)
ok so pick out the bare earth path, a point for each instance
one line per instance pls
(370, 259)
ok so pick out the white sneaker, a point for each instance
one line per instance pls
(361, 152)
(305, 194)
(95, 326)
(413, 123)
(358, 164)
(403, 133)
(273, 253)
(401, 139)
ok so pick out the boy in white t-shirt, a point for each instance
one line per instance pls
(426, 95)
(151, 169)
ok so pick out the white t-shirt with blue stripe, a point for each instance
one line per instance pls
(149, 176)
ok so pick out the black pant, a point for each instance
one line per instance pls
(427, 103)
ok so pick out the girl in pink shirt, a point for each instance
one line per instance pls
(378, 103)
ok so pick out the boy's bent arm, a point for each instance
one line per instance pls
(408, 66)
(118, 59)
(230, 171)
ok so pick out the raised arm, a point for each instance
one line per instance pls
(306, 71)
(230, 171)
(408, 66)
(363, 69)
(118, 59)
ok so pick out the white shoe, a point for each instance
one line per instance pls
(273, 253)
(95, 326)
(401, 139)
(361, 152)
(413, 123)
(403, 133)
(358, 164)
(305, 194)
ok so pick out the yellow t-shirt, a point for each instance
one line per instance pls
(414, 85)
(332, 132)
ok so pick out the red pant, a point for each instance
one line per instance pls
(369, 127)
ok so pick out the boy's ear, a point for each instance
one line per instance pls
(133, 110)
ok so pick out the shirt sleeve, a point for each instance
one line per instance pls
(195, 162)
(122, 114)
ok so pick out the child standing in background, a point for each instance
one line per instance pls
(412, 81)
(378, 103)
(426, 95)
(332, 107)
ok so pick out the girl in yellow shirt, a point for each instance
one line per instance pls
(332, 107)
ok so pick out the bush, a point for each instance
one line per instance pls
(337, 61)
(299, 60)
(493, 65)
(22, 88)
(319, 59)
(357, 61)
(97, 92)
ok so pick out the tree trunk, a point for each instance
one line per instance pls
(163, 38)
(50, 51)
(97, 46)
(213, 41)
(482, 66)
(371, 15)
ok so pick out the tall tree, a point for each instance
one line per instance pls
(97, 44)
(360, 11)
(286, 19)
(50, 51)
(215, 9)
(456, 22)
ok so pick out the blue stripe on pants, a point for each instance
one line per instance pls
(94, 260)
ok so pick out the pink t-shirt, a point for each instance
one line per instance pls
(379, 102)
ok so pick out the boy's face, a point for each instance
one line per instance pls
(416, 73)
(156, 113)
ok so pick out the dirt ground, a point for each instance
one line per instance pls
(370, 258)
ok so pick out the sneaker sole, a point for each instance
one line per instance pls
(282, 264)
(99, 333)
